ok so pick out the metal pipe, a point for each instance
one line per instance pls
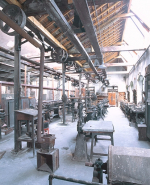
(55, 13)
(51, 70)
(30, 86)
(63, 86)
(51, 177)
(0, 94)
(80, 75)
(84, 14)
(80, 108)
(25, 80)
(39, 126)
(17, 85)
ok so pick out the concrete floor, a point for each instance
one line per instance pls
(20, 169)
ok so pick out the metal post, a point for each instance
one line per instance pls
(80, 86)
(17, 89)
(80, 107)
(63, 86)
(28, 84)
(52, 176)
(86, 96)
(39, 126)
(0, 93)
(25, 80)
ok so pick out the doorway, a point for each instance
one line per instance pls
(112, 98)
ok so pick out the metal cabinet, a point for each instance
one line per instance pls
(147, 99)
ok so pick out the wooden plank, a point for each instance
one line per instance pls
(121, 48)
(110, 57)
(43, 30)
(100, 2)
(112, 12)
(126, 15)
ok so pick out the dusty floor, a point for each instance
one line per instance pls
(16, 169)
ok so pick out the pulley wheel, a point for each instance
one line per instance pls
(59, 55)
(17, 15)
(93, 97)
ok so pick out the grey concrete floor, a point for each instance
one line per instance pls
(21, 168)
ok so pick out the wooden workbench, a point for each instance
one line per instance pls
(95, 128)
(27, 115)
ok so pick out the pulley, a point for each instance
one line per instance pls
(69, 64)
(57, 77)
(64, 98)
(17, 15)
(59, 55)
(93, 97)
(78, 69)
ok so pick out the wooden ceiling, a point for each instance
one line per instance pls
(109, 21)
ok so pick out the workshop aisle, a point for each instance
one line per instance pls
(21, 168)
(124, 135)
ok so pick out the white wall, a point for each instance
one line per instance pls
(115, 80)
(138, 69)
(118, 80)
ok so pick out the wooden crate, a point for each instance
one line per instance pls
(48, 161)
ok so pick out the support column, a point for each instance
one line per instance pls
(53, 87)
(80, 107)
(63, 86)
(28, 84)
(25, 81)
(0, 94)
(40, 98)
(17, 89)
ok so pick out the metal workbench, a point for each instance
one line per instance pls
(95, 128)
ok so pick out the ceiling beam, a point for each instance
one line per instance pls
(84, 14)
(117, 72)
(58, 17)
(121, 48)
(117, 64)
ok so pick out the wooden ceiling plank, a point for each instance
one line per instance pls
(107, 59)
(71, 18)
(106, 16)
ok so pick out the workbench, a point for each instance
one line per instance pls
(28, 115)
(95, 128)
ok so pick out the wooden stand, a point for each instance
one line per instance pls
(48, 161)
(142, 132)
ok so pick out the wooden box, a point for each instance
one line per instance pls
(142, 132)
(48, 161)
